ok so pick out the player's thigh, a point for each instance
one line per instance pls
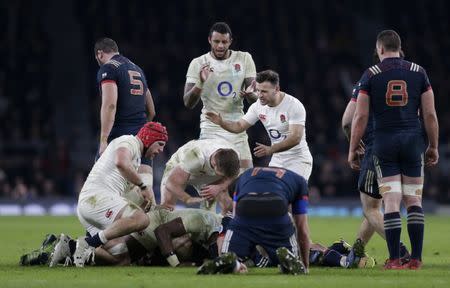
(235, 241)
(385, 156)
(100, 209)
(271, 246)
(411, 156)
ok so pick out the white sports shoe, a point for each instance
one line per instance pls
(61, 251)
(82, 252)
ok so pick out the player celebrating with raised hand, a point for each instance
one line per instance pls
(394, 90)
(217, 78)
(284, 118)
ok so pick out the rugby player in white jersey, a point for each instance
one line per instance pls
(283, 116)
(208, 165)
(221, 78)
(102, 209)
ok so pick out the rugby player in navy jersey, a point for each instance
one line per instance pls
(395, 90)
(367, 182)
(261, 201)
(127, 103)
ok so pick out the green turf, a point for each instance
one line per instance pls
(20, 234)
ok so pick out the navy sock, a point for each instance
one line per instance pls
(332, 258)
(72, 246)
(416, 223)
(393, 229)
(94, 241)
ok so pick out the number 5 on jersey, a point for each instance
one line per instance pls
(396, 93)
(135, 79)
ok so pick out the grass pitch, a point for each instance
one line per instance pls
(22, 234)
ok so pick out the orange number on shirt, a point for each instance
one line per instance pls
(135, 79)
(396, 93)
(278, 171)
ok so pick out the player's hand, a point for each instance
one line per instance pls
(205, 70)
(214, 117)
(210, 192)
(102, 147)
(147, 194)
(262, 150)
(249, 90)
(242, 268)
(431, 157)
(354, 160)
(361, 148)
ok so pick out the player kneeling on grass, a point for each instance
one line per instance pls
(261, 204)
(102, 209)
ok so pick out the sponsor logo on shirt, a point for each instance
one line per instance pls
(262, 117)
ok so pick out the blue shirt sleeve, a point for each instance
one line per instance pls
(364, 86)
(107, 72)
(426, 81)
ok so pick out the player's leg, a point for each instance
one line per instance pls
(412, 186)
(113, 216)
(245, 156)
(390, 188)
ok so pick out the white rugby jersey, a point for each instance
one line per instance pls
(276, 120)
(194, 158)
(220, 91)
(105, 176)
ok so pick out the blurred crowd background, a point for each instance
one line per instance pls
(49, 101)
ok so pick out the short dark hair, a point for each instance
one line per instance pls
(222, 28)
(106, 45)
(227, 161)
(390, 40)
(268, 75)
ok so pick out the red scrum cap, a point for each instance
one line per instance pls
(152, 132)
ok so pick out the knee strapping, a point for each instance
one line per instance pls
(412, 189)
(390, 186)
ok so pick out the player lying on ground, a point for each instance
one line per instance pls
(164, 232)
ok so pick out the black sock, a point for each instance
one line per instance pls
(72, 246)
(332, 258)
(393, 229)
(94, 241)
(416, 223)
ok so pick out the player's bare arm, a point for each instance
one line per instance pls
(107, 112)
(164, 234)
(149, 105)
(347, 118)
(431, 127)
(230, 126)
(347, 124)
(191, 95)
(301, 223)
(359, 125)
(123, 162)
(295, 135)
(249, 90)
(176, 183)
(212, 190)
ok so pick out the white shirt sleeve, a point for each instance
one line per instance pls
(297, 113)
(250, 68)
(193, 72)
(130, 145)
(192, 161)
(252, 114)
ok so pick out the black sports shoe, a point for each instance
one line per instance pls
(356, 253)
(223, 264)
(289, 263)
(40, 256)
